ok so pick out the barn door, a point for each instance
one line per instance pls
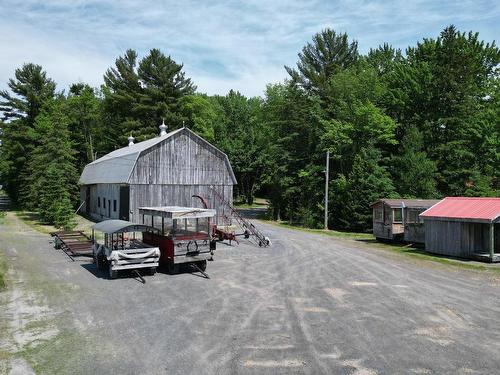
(124, 202)
(87, 199)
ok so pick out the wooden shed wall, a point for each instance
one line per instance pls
(385, 228)
(177, 195)
(183, 159)
(456, 238)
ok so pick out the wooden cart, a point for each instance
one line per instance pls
(123, 247)
(184, 235)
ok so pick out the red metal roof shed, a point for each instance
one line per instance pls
(485, 210)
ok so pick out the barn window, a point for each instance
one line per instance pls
(397, 215)
(114, 205)
(98, 201)
(378, 214)
(104, 202)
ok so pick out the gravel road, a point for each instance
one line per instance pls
(310, 304)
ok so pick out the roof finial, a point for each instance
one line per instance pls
(163, 128)
(130, 140)
(183, 124)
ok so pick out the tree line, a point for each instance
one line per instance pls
(423, 123)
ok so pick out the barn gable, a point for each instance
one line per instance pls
(159, 161)
(183, 159)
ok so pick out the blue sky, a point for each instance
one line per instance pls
(223, 44)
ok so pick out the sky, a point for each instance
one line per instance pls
(240, 45)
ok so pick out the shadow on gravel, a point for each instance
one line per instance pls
(161, 272)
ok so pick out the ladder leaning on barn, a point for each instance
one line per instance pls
(247, 226)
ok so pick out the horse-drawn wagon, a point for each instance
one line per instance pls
(124, 247)
(183, 236)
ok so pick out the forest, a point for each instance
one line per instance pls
(419, 123)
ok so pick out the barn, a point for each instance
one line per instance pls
(398, 219)
(163, 171)
(464, 227)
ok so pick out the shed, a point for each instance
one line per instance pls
(398, 219)
(163, 171)
(464, 227)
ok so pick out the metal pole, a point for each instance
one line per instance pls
(492, 241)
(326, 187)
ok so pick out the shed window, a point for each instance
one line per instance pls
(114, 205)
(397, 215)
(104, 202)
(378, 214)
(98, 201)
(413, 216)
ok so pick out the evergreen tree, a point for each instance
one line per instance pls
(31, 88)
(138, 96)
(53, 177)
(326, 55)
(367, 182)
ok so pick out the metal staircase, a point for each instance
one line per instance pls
(250, 229)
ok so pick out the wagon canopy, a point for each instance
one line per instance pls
(122, 226)
(176, 212)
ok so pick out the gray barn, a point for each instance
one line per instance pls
(398, 219)
(164, 171)
(464, 227)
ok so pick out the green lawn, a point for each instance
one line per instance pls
(402, 249)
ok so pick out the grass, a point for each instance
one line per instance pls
(400, 249)
(257, 203)
(32, 220)
(3, 270)
(329, 232)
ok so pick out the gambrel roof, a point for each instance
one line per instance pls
(117, 166)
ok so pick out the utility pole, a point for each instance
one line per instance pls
(327, 176)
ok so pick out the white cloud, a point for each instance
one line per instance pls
(223, 44)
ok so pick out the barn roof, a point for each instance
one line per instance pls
(117, 166)
(465, 209)
(411, 203)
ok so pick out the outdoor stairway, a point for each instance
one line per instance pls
(4, 203)
(256, 235)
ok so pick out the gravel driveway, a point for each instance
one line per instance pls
(310, 304)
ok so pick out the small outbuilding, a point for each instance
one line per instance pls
(464, 227)
(163, 171)
(398, 219)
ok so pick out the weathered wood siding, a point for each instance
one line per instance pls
(386, 228)
(456, 238)
(182, 160)
(414, 230)
(177, 195)
(108, 192)
(414, 233)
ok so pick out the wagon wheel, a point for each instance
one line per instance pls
(112, 273)
(202, 265)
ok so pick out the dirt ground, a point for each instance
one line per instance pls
(310, 304)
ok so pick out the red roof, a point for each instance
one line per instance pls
(478, 209)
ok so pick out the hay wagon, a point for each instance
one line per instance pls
(124, 247)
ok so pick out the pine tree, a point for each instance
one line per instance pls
(53, 176)
(139, 95)
(326, 55)
(31, 88)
